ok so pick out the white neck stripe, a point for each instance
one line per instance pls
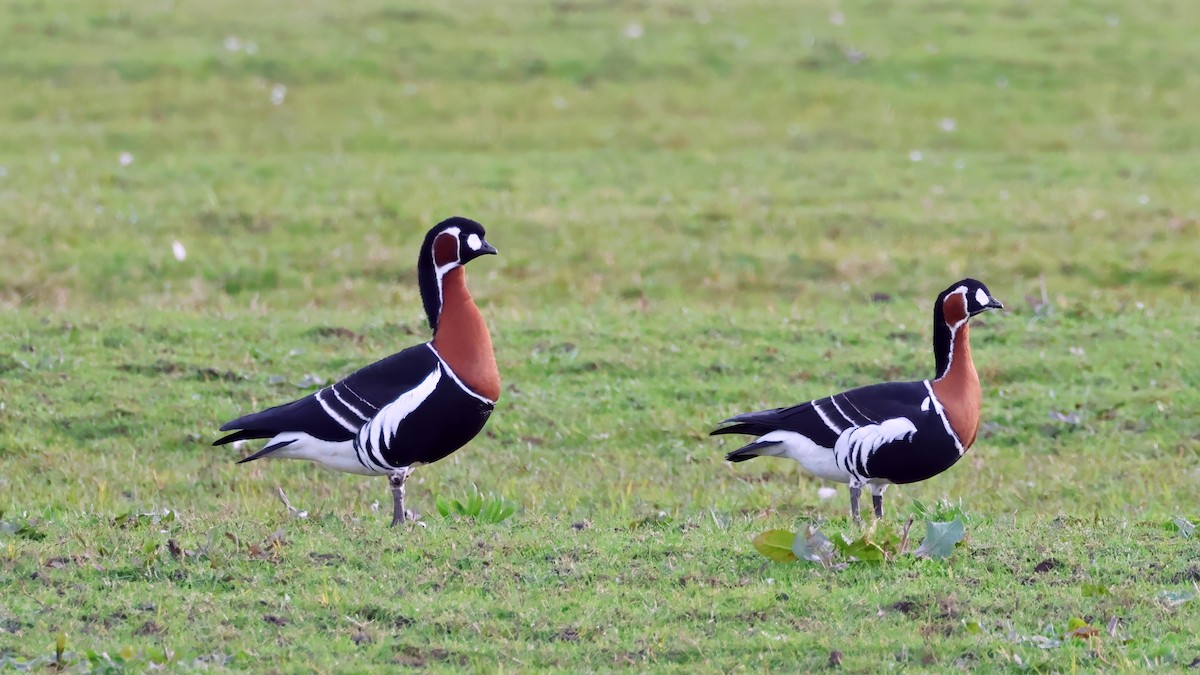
(941, 412)
(454, 376)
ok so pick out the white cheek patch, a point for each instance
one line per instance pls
(981, 297)
(475, 242)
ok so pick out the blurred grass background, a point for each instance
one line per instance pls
(701, 208)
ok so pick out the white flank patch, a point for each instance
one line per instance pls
(865, 440)
(981, 297)
(474, 242)
(339, 456)
(379, 432)
(817, 460)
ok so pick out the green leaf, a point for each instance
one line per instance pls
(941, 538)
(443, 506)
(1174, 598)
(973, 627)
(1078, 628)
(861, 549)
(28, 531)
(776, 545)
(1094, 590)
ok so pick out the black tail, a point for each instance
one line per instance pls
(750, 451)
(266, 451)
(748, 428)
(243, 435)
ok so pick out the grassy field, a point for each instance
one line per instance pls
(701, 209)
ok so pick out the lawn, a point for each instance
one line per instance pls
(701, 209)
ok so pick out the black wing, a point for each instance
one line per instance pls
(335, 413)
(823, 420)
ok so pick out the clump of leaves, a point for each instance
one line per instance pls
(486, 508)
(878, 544)
(24, 529)
(943, 510)
(1183, 526)
(656, 519)
(134, 519)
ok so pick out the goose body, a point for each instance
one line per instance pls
(887, 433)
(414, 407)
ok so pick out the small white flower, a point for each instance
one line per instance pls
(960, 164)
(1143, 199)
(948, 124)
(560, 103)
(634, 31)
(238, 445)
(1001, 82)
(1099, 214)
(1113, 19)
(179, 251)
(125, 158)
(703, 17)
(251, 48)
(1003, 194)
(915, 156)
(233, 43)
(826, 493)
(278, 94)
(3, 171)
(837, 19)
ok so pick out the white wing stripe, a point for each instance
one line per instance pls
(833, 400)
(355, 394)
(856, 409)
(349, 407)
(336, 417)
(825, 418)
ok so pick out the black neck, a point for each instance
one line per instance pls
(943, 341)
(427, 280)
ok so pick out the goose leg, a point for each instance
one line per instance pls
(855, 491)
(877, 499)
(396, 479)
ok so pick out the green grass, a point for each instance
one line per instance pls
(691, 223)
